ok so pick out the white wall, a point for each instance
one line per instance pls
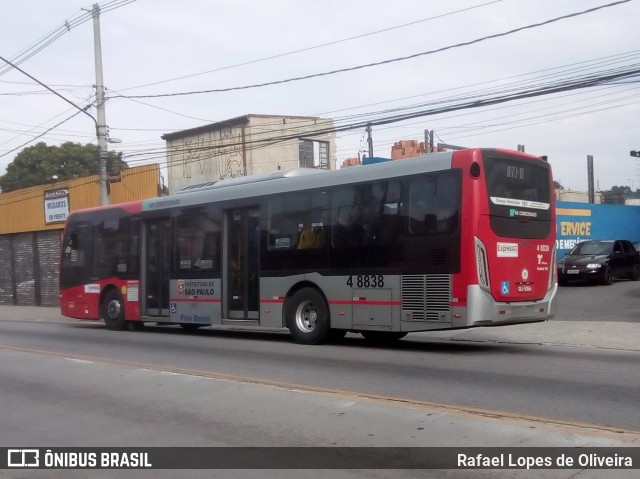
(225, 153)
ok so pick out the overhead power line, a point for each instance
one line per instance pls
(384, 62)
(80, 110)
(41, 134)
(66, 27)
(83, 110)
(435, 108)
(585, 82)
(314, 47)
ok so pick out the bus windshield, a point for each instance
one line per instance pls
(519, 197)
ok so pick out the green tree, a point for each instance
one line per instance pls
(617, 194)
(38, 164)
(557, 185)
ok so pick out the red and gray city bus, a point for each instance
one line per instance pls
(446, 240)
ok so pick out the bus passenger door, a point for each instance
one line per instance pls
(242, 265)
(156, 265)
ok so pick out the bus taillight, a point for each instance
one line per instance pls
(481, 265)
(553, 276)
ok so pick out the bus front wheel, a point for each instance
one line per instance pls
(307, 317)
(113, 311)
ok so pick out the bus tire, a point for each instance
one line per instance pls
(382, 337)
(113, 311)
(307, 317)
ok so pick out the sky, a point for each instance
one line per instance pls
(156, 47)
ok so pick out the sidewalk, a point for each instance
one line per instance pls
(606, 334)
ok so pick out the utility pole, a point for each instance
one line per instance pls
(428, 141)
(101, 126)
(590, 189)
(369, 140)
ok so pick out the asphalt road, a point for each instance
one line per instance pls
(564, 384)
(619, 302)
(70, 399)
(68, 383)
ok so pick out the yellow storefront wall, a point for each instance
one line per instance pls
(23, 210)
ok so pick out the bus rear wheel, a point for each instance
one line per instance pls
(307, 317)
(113, 311)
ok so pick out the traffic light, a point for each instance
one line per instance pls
(635, 153)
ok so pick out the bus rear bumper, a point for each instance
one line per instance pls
(484, 310)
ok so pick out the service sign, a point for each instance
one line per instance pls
(56, 205)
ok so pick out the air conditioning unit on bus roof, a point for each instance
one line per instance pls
(243, 180)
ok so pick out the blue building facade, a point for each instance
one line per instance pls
(583, 221)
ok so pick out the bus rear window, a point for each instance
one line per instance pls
(519, 197)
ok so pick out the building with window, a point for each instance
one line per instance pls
(248, 145)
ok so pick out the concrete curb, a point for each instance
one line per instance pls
(605, 335)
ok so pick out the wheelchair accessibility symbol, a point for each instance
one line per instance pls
(504, 287)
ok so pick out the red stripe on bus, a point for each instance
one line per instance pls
(338, 302)
(194, 300)
(371, 303)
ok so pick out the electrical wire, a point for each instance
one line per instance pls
(121, 4)
(383, 62)
(83, 110)
(314, 47)
(611, 76)
(585, 81)
(66, 27)
(272, 142)
(42, 134)
(545, 74)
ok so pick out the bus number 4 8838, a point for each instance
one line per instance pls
(366, 281)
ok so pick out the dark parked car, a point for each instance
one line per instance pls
(602, 261)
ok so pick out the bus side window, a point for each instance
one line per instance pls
(112, 241)
(434, 205)
(197, 242)
(298, 222)
(73, 256)
(77, 247)
(423, 219)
